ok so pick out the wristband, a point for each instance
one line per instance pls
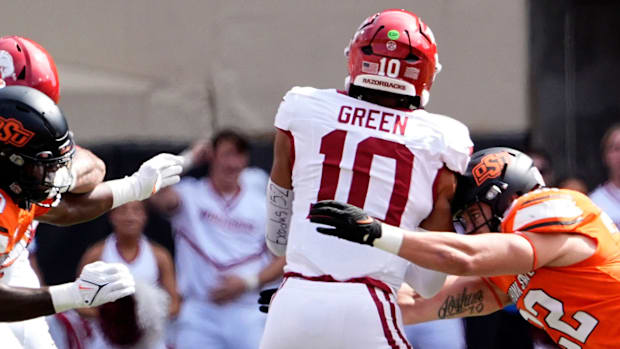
(123, 190)
(251, 282)
(391, 239)
(65, 297)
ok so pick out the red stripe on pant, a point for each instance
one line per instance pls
(393, 312)
(372, 285)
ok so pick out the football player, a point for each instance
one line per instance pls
(36, 152)
(552, 252)
(375, 146)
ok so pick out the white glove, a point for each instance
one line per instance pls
(98, 283)
(158, 172)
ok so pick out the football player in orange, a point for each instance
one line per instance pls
(36, 153)
(555, 255)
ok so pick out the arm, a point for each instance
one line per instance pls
(158, 172)
(167, 278)
(230, 287)
(427, 282)
(98, 283)
(460, 297)
(271, 272)
(476, 254)
(88, 170)
(282, 167)
(24, 303)
(166, 201)
(279, 196)
(440, 219)
(483, 254)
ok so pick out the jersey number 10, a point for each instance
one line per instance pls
(332, 146)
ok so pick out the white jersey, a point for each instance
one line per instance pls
(143, 266)
(607, 197)
(215, 235)
(380, 159)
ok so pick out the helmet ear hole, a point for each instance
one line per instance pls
(22, 108)
(367, 50)
(411, 58)
(22, 74)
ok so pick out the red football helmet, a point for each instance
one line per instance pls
(24, 62)
(393, 51)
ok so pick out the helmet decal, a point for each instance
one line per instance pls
(393, 34)
(490, 166)
(14, 133)
(7, 67)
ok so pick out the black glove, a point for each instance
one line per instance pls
(265, 298)
(348, 222)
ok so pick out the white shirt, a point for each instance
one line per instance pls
(217, 235)
(380, 159)
(607, 197)
(143, 266)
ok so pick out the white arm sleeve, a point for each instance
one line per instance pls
(425, 282)
(279, 211)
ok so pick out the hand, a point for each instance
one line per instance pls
(101, 283)
(348, 222)
(98, 283)
(229, 288)
(264, 299)
(158, 172)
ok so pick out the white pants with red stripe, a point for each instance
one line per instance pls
(308, 314)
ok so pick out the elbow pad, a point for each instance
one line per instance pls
(279, 211)
(426, 282)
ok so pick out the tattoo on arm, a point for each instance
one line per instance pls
(461, 303)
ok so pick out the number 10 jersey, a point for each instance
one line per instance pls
(380, 159)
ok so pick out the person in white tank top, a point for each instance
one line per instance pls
(149, 263)
(373, 146)
(221, 258)
(607, 195)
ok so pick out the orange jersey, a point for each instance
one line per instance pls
(576, 305)
(15, 228)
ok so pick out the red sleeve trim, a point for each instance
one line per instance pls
(535, 261)
(492, 289)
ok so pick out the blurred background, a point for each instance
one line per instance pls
(139, 77)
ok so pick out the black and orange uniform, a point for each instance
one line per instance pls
(15, 228)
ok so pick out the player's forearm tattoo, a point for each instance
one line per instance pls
(464, 302)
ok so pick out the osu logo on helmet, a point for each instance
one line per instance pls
(13, 132)
(490, 166)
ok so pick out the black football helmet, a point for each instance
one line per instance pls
(36, 146)
(495, 176)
